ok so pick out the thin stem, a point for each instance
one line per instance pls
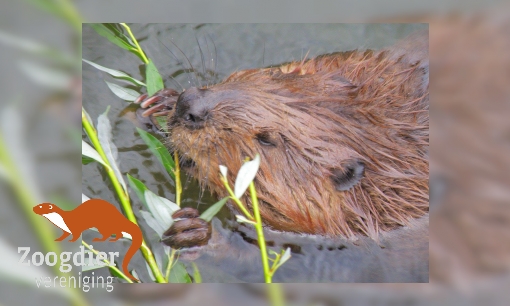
(236, 200)
(108, 263)
(65, 10)
(70, 13)
(178, 186)
(123, 196)
(275, 295)
(260, 234)
(275, 263)
(170, 264)
(140, 51)
(197, 277)
(149, 257)
(41, 228)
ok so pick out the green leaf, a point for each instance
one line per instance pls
(160, 208)
(127, 94)
(114, 35)
(154, 80)
(62, 9)
(37, 49)
(242, 219)
(246, 175)
(178, 274)
(162, 258)
(89, 152)
(213, 210)
(162, 122)
(138, 187)
(92, 264)
(223, 171)
(135, 275)
(104, 134)
(159, 150)
(46, 76)
(285, 256)
(120, 275)
(153, 223)
(115, 73)
(86, 160)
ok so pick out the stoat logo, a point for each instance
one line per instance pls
(94, 213)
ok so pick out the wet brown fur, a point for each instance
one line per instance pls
(319, 114)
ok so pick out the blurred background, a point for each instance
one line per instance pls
(40, 86)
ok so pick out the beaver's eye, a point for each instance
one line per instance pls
(265, 139)
(50, 206)
(348, 175)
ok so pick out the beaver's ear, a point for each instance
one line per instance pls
(348, 175)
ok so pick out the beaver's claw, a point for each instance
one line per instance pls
(163, 101)
(188, 231)
(160, 104)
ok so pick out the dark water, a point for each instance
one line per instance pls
(213, 51)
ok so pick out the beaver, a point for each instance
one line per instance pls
(343, 138)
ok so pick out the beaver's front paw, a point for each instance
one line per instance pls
(163, 101)
(158, 105)
(188, 231)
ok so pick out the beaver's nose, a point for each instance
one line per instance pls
(193, 107)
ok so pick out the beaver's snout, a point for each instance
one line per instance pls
(193, 107)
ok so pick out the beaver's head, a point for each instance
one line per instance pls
(342, 140)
